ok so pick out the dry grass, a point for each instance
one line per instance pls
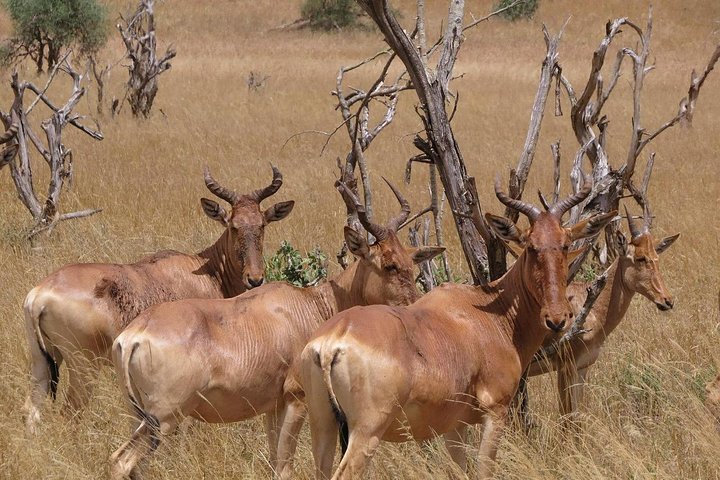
(644, 413)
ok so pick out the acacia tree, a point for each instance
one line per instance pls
(45, 28)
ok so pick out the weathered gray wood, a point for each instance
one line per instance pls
(46, 214)
(550, 68)
(357, 124)
(432, 91)
(138, 35)
(696, 83)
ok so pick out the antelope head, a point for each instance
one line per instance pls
(245, 223)
(545, 250)
(385, 275)
(640, 262)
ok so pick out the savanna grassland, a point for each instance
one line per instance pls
(643, 412)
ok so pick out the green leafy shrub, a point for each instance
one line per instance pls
(524, 9)
(701, 377)
(588, 272)
(288, 264)
(331, 14)
(642, 387)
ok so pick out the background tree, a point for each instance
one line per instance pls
(44, 28)
(330, 14)
(517, 10)
(138, 35)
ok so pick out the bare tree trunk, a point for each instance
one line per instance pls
(440, 145)
(99, 74)
(138, 35)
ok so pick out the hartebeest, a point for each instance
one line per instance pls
(227, 360)
(450, 359)
(636, 270)
(75, 313)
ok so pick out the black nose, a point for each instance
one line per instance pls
(555, 327)
(255, 282)
(665, 306)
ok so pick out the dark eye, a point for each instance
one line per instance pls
(641, 259)
(391, 268)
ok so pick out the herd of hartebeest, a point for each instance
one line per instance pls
(363, 355)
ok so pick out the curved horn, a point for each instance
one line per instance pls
(263, 193)
(222, 192)
(378, 231)
(563, 206)
(9, 134)
(531, 211)
(635, 228)
(395, 222)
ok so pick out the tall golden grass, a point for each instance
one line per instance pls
(643, 416)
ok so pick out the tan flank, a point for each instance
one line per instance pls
(75, 313)
(451, 359)
(636, 270)
(226, 360)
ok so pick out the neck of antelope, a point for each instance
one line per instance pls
(522, 325)
(224, 266)
(343, 290)
(612, 303)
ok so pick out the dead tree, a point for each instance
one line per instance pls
(611, 184)
(590, 124)
(386, 93)
(138, 35)
(53, 151)
(355, 108)
(439, 146)
(100, 74)
(357, 122)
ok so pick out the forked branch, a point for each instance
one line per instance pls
(55, 154)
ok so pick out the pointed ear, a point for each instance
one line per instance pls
(665, 243)
(576, 253)
(357, 243)
(505, 229)
(622, 242)
(514, 248)
(424, 254)
(279, 211)
(591, 226)
(213, 210)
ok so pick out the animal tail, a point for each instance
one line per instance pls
(326, 362)
(32, 319)
(122, 360)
